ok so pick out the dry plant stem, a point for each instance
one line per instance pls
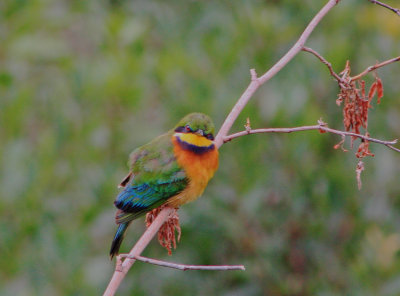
(395, 10)
(311, 127)
(257, 82)
(141, 244)
(376, 66)
(185, 266)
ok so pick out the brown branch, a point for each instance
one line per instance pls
(122, 269)
(341, 80)
(393, 148)
(376, 66)
(185, 266)
(257, 82)
(323, 60)
(395, 10)
(308, 128)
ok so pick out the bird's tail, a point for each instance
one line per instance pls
(119, 236)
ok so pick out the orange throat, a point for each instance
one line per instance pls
(198, 156)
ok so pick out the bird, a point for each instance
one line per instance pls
(173, 169)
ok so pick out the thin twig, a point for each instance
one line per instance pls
(311, 127)
(393, 148)
(341, 80)
(395, 10)
(185, 266)
(323, 60)
(376, 66)
(256, 83)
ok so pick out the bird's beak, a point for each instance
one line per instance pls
(200, 132)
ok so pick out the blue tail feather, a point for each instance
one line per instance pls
(119, 236)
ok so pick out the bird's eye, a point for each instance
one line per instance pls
(187, 128)
(210, 137)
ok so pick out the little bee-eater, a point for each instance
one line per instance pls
(172, 169)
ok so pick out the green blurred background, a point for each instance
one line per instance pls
(82, 83)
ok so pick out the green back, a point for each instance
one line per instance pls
(156, 177)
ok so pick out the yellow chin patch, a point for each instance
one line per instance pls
(194, 139)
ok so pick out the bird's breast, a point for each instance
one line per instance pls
(199, 168)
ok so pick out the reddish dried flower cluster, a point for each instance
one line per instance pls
(166, 234)
(363, 149)
(356, 106)
(355, 111)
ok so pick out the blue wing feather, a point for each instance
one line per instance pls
(136, 197)
(136, 200)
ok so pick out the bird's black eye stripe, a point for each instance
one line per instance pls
(180, 129)
(183, 129)
(187, 129)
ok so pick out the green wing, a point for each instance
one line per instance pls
(156, 176)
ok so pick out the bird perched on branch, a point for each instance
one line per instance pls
(173, 169)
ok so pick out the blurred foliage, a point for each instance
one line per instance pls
(82, 83)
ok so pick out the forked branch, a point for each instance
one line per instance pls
(122, 268)
(257, 82)
(339, 79)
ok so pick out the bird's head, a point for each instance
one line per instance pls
(196, 129)
(196, 123)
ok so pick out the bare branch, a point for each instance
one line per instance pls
(395, 10)
(121, 270)
(376, 66)
(341, 80)
(393, 148)
(184, 266)
(329, 65)
(256, 82)
(308, 128)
